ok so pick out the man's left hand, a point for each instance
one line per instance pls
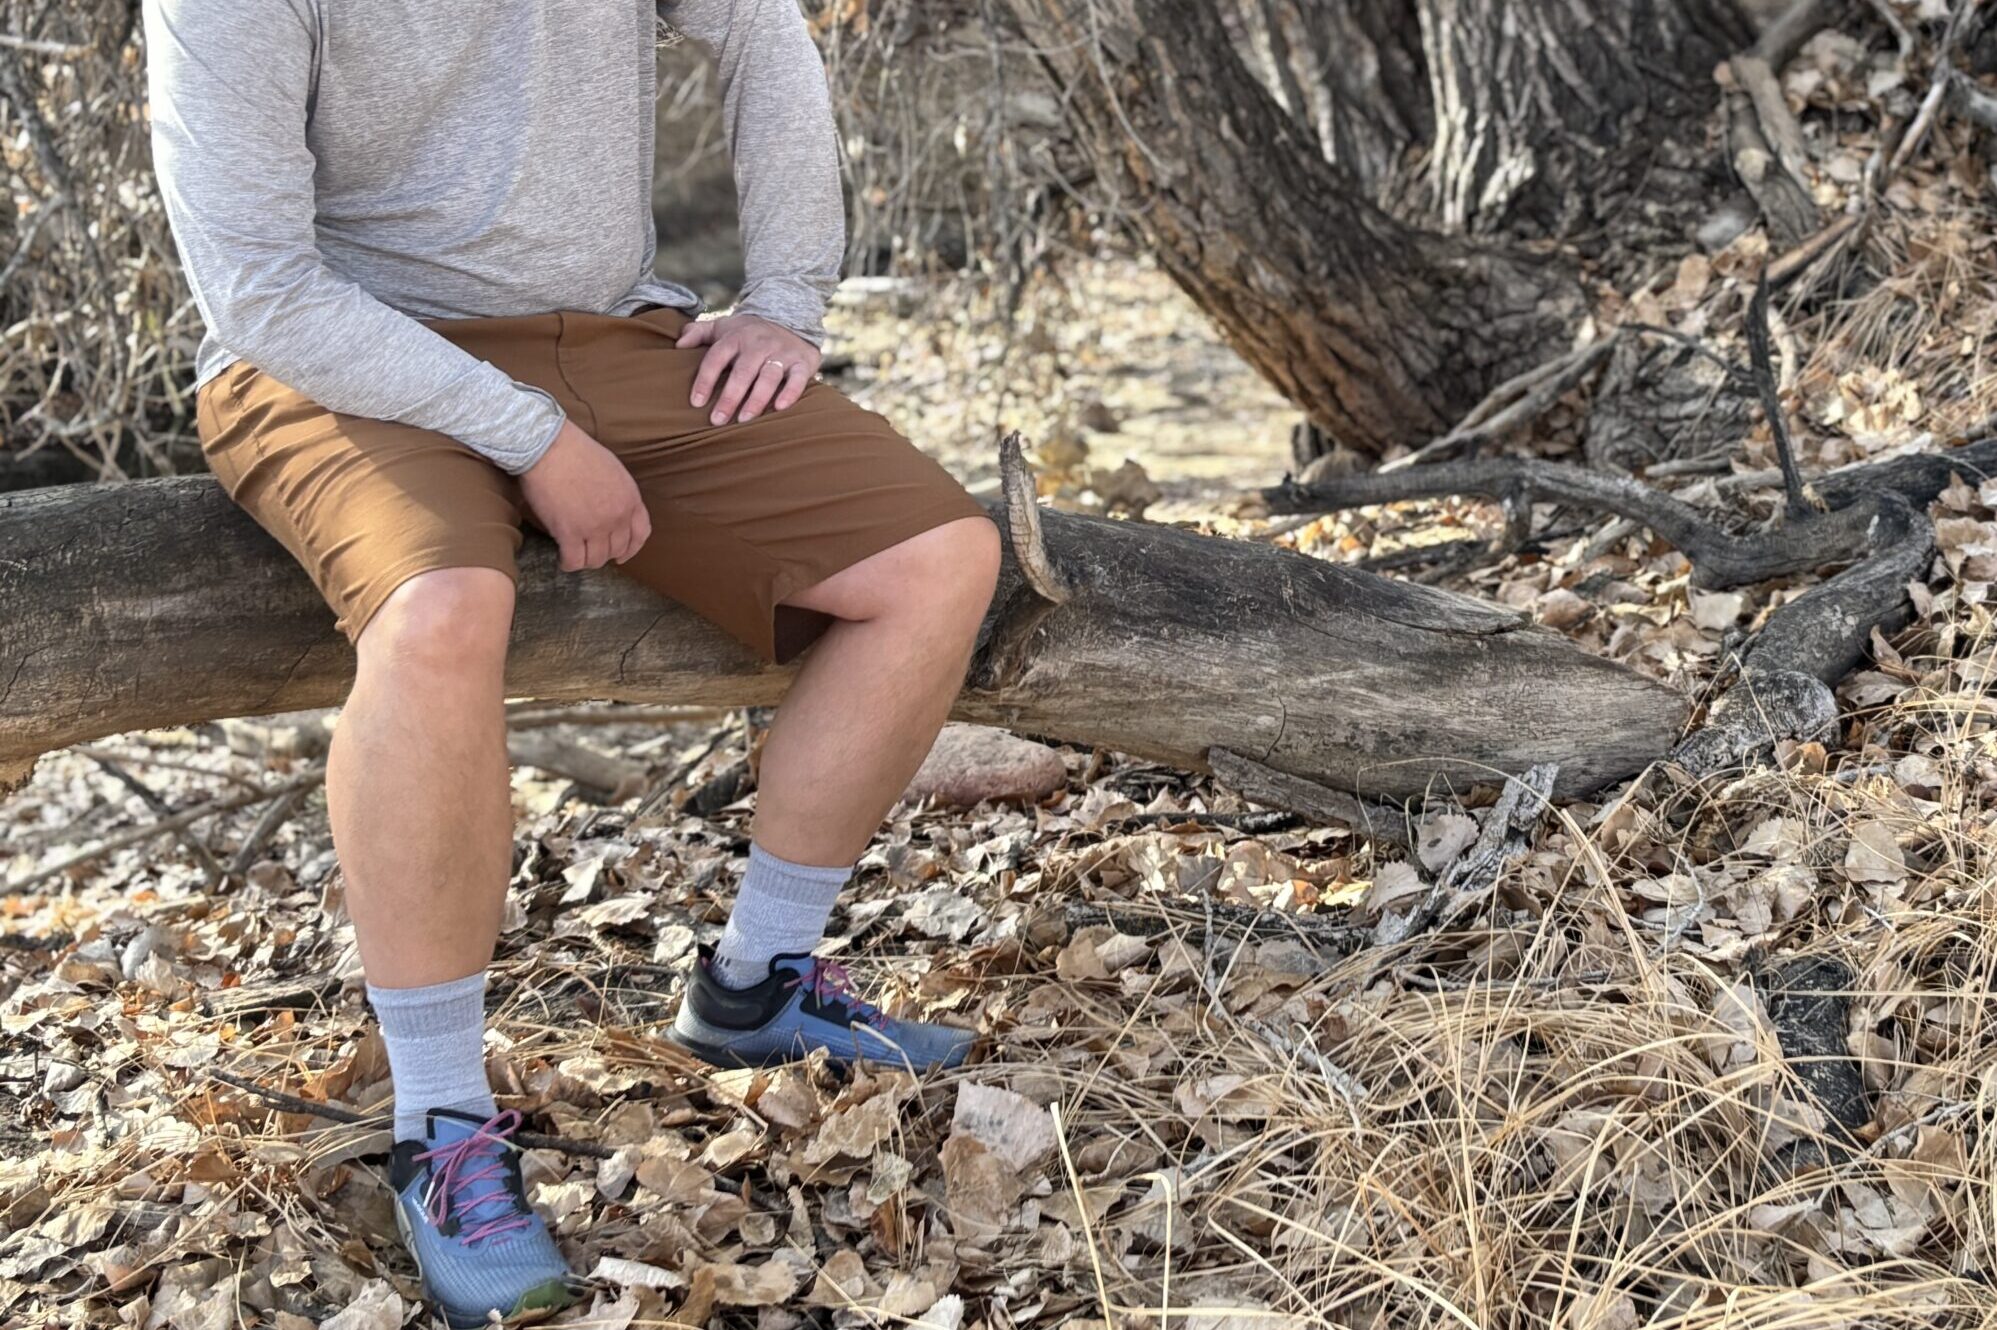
(767, 367)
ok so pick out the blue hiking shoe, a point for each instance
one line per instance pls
(805, 1003)
(463, 1212)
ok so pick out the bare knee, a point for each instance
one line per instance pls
(449, 621)
(946, 572)
(965, 564)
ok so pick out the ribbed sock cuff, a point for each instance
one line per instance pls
(431, 1009)
(781, 879)
(435, 1037)
(782, 908)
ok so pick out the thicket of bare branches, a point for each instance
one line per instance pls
(96, 328)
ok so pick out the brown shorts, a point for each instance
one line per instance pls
(744, 516)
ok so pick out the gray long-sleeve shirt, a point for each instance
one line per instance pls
(335, 170)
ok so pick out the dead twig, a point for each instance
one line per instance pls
(662, 789)
(211, 870)
(291, 1103)
(1784, 204)
(139, 835)
(1506, 835)
(1279, 789)
(1782, 39)
(611, 778)
(1944, 79)
(1257, 821)
(1512, 404)
(1328, 936)
(273, 817)
(1347, 1086)
(43, 46)
(1719, 557)
(1771, 399)
(532, 716)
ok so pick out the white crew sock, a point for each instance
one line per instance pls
(780, 910)
(436, 1050)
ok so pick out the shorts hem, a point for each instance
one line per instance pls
(353, 621)
(794, 578)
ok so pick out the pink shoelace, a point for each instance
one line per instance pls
(833, 983)
(458, 1168)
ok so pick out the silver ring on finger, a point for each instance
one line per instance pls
(774, 361)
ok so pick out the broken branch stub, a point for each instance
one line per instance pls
(1022, 522)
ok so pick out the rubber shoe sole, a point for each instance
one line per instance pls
(536, 1304)
(728, 1059)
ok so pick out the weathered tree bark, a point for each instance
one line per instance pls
(1381, 332)
(1551, 116)
(158, 602)
(1374, 301)
(1354, 73)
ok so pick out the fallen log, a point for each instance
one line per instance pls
(157, 603)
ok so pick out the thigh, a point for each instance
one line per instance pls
(363, 505)
(747, 516)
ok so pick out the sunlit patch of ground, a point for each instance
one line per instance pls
(1105, 361)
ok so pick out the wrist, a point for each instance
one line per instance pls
(539, 452)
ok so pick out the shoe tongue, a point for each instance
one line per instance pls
(449, 1127)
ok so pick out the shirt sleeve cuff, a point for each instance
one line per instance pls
(788, 302)
(518, 429)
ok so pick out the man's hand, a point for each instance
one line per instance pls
(583, 496)
(768, 367)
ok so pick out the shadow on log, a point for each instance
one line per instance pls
(158, 603)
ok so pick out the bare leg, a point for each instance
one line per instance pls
(416, 780)
(873, 691)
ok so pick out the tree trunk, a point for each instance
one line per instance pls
(1551, 114)
(1354, 72)
(158, 602)
(1374, 299)
(1381, 332)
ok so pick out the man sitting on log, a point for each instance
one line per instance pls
(420, 233)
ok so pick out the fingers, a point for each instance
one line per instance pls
(741, 378)
(618, 543)
(641, 531)
(631, 534)
(768, 379)
(711, 367)
(755, 367)
(796, 379)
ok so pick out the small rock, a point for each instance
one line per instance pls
(973, 763)
(294, 734)
(140, 949)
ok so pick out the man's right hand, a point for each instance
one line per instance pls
(585, 498)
